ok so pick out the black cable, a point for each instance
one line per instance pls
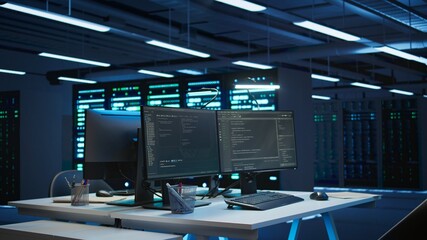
(213, 98)
(226, 189)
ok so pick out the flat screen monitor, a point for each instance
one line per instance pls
(255, 141)
(110, 146)
(178, 143)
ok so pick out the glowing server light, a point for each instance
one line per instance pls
(401, 92)
(245, 5)
(56, 17)
(327, 30)
(256, 86)
(73, 59)
(365, 85)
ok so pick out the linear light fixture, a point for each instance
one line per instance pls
(252, 65)
(324, 78)
(177, 48)
(320, 97)
(79, 80)
(73, 59)
(425, 95)
(159, 74)
(190, 72)
(401, 92)
(327, 30)
(256, 86)
(12, 72)
(365, 85)
(401, 54)
(56, 17)
(246, 5)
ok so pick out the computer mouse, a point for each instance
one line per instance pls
(103, 193)
(320, 196)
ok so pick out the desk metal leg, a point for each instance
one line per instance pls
(293, 234)
(330, 226)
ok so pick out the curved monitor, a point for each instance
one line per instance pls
(111, 146)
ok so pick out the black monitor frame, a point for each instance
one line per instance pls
(196, 140)
(251, 149)
(110, 150)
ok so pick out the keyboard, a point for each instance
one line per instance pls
(263, 200)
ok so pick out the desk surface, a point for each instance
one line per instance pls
(45, 207)
(212, 220)
(217, 219)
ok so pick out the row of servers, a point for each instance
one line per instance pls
(9, 147)
(369, 143)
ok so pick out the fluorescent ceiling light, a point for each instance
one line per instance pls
(12, 72)
(178, 49)
(320, 97)
(56, 17)
(401, 92)
(189, 72)
(256, 86)
(324, 78)
(425, 95)
(76, 80)
(364, 85)
(252, 65)
(159, 74)
(73, 59)
(327, 30)
(246, 5)
(401, 54)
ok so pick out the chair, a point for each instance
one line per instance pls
(412, 226)
(59, 186)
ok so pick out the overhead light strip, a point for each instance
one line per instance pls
(245, 5)
(252, 65)
(159, 74)
(79, 80)
(12, 72)
(401, 92)
(401, 54)
(73, 59)
(56, 17)
(177, 48)
(324, 78)
(365, 85)
(327, 30)
(190, 72)
(256, 86)
(320, 97)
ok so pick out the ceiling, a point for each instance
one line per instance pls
(227, 33)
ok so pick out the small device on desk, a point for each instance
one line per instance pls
(319, 196)
(263, 200)
(123, 192)
(103, 193)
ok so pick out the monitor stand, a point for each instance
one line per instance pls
(165, 204)
(247, 185)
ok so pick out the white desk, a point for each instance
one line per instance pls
(45, 207)
(212, 220)
(217, 220)
(55, 230)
